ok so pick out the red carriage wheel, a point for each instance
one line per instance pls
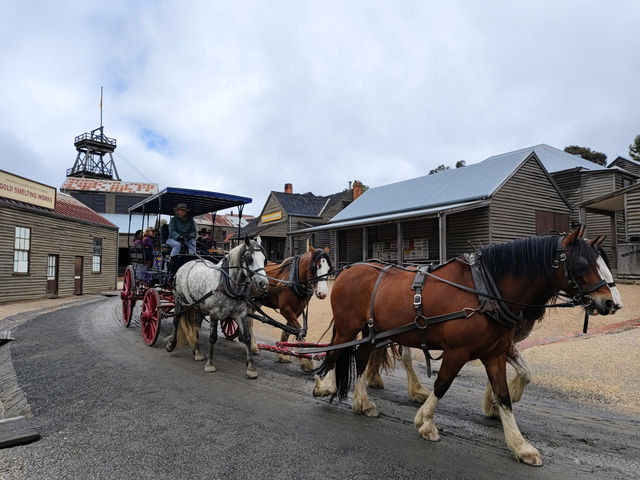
(128, 296)
(150, 316)
(229, 328)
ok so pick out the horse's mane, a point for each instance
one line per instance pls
(235, 255)
(532, 257)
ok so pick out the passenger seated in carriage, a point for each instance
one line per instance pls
(204, 241)
(182, 230)
(137, 237)
(148, 246)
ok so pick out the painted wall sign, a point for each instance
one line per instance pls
(27, 191)
(270, 217)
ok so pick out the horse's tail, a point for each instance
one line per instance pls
(383, 359)
(188, 327)
(344, 362)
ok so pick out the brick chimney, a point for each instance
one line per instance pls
(288, 188)
(357, 189)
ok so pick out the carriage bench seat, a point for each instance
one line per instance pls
(136, 254)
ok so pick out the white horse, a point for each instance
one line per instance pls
(219, 290)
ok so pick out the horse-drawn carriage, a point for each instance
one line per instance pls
(150, 278)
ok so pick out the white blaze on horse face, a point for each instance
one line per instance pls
(322, 290)
(606, 275)
(260, 276)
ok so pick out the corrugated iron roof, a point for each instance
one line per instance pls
(95, 185)
(473, 182)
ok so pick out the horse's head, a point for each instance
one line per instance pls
(584, 273)
(254, 259)
(319, 268)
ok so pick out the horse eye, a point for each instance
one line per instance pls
(580, 267)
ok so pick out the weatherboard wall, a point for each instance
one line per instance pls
(52, 235)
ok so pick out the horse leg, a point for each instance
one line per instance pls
(372, 372)
(361, 401)
(423, 421)
(197, 355)
(516, 386)
(213, 338)
(496, 368)
(282, 358)
(417, 393)
(254, 346)
(173, 339)
(251, 371)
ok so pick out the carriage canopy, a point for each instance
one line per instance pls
(198, 201)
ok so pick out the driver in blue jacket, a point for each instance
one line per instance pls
(182, 230)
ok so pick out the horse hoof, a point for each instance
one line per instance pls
(530, 457)
(306, 365)
(420, 396)
(170, 345)
(252, 373)
(371, 412)
(284, 358)
(198, 357)
(209, 368)
(375, 382)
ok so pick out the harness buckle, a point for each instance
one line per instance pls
(417, 300)
(469, 311)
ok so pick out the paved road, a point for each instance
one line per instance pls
(110, 407)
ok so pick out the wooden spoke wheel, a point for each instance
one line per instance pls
(128, 296)
(229, 328)
(150, 316)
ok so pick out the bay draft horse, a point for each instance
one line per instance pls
(219, 290)
(529, 271)
(383, 358)
(292, 284)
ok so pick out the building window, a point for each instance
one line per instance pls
(97, 255)
(626, 182)
(95, 201)
(21, 248)
(123, 202)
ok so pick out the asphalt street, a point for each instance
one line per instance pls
(108, 406)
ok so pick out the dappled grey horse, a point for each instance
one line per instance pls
(219, 290)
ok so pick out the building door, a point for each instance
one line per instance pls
(52, 275)
(77, 276)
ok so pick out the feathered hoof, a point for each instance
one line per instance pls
(306, 365)
(375, 381)
(530, 457)
(252, 373)
(198, 357)
(209, 368)
(170, 344)
(419, 396)
(284, 358)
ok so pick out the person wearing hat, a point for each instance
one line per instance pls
(204, 241)
(182, 230)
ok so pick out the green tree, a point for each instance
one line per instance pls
(634, 149)
(588, 154)
(442, 167)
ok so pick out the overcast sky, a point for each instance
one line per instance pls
(242, 97)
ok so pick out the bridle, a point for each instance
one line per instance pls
(304, 288)
(582, 296)
(247, 259)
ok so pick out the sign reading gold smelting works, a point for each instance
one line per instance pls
(27, 191)
(270, 217)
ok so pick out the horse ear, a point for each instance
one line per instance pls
(311, 249)
(581, 230)
(598, 240)
(259, 240)
(247, 242)
(326, 249)
(570, 238)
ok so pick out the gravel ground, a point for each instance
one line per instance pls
(598, 371)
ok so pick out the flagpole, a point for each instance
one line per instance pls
(100, 107)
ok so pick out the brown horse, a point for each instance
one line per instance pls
(383, 358)
(527, 273)
(292, 283)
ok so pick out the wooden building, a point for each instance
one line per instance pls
(287, 212)
(437, 217)
(51, 244)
